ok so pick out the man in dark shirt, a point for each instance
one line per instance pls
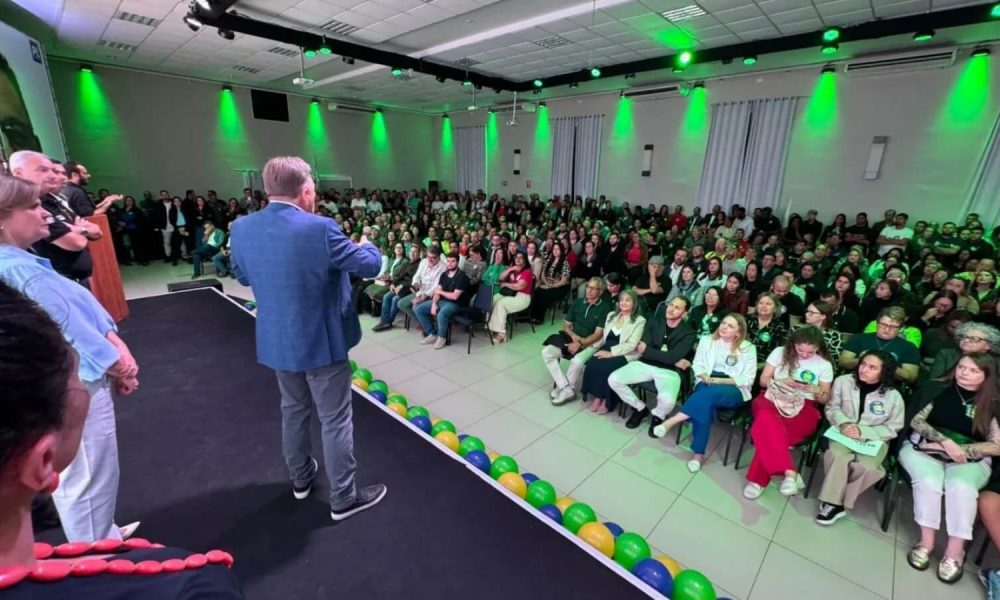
(75, 194)
(582, 327)
(652, 286)
(947, 244)
(66, 245)
(666, 350)
(791, 305)
(450, 295)
(977, 246)
(845, 320)
(860, 233)
(811, 225)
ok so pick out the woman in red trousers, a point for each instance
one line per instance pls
(795, 381)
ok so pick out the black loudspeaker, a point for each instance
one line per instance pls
(433, 186)
(198, 284)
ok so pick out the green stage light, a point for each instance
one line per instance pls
(830, 48)
(467, 82)
(309, 53)
(684, 58)
(397, 72)
(324, 49)
(995, 11)
(595, 72)
(980, 52)
(86, 69)
(537, 83)
(315, 100)
(923, 36)
(831, 35)
(750, 60)
(227, 88)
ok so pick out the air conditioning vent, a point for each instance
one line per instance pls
(655, 92)
(338, 27)
(898, 63)
(119, 46)
(552, 42)
(283, 51)
(138, 19)
(465, 63)
(246, 69)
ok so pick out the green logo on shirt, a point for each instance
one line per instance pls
(808, 376)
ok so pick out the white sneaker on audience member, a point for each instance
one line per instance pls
(440, 343)
(429, 339)
(565, 395)
(554, 393)
(752, 491)
(694, 465)
(792, 485)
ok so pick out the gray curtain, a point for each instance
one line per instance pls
(588, 154)
(470, 159)
(727, 141)
(984, 195)
(562, 156)
(766, 149)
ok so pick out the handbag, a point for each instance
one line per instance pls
(507, 292)
(788, 400)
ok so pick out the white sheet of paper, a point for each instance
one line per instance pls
(866, 447)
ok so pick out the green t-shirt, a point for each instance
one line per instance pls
(587, 317)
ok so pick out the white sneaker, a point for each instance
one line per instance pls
(752, 491)
(693, 465)
(661, 430)
(440, 343)
(792, 485)
(555, 392)
(429, 339)
(565, 395)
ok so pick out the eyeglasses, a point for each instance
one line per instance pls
(972, 338)
(813, 312)
(888, 325)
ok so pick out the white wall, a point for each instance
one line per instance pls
(147, 131)
(937, 121)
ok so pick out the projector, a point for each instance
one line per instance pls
(303, 81)
(512, 123)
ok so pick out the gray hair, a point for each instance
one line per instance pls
(21, 158)
(992, 334)
(285, 176)
(596, 281)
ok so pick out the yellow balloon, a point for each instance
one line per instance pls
(493, 455)
(672, 565)
(360, 383)
(447, 438)
(515, 483)
(598, 536)
(397, 408)
(563, 503)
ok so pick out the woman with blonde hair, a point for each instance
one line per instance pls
(623, 330)
(725, 365)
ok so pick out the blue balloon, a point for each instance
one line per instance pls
(422, 423)
(378, 395)
(529, 478)
(462, 436)
(615, 528)
(552, 511)
(654, 574)
(479, 459)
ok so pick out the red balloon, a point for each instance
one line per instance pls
(89, 567)
(51, 570)
(195, 561)
(172, 565)
(109, 545)
(121, 567)
(72, 549)
(149, 567)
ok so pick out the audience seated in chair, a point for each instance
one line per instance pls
(886, 338)
(582, 328)
(452, 292)
(514, 289)
(621, 335)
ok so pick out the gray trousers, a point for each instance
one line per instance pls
(329, 388)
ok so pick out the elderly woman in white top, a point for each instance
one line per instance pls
(88, 487)
(863, 406)
(725, 365)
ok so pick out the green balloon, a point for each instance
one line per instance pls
(353, 365)
(364, 374)
(630, 548)
(397, 399)
(417, 411)
(442, 426)
(578, 515)
(379, 385)
(692, 585)
(540, 493)
(469, 444)
(503, 464)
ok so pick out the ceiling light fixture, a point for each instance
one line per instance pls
(537, 83)
(542, 104)
(315, 101)
(750, 60)
(683, 59)
(683, 13)
(86, 68)
(699, 85)
(227, 88)
(226, 34)
(923, 36)
(595, 72)
(396, 72)
(828, 69)
(995, 11)
(309, 53)
(325, 48)
(830, 48)
(980, 52)
(445, 116)
(467, 82)
(831, 35)
(379, 110)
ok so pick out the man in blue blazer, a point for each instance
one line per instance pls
(299, 267)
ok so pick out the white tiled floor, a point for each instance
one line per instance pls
(765, 550)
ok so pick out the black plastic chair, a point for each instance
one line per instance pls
(520, 316)
(475, 314)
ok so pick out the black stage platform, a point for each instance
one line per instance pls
(202, 468)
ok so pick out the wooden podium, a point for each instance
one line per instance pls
(106, 282)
